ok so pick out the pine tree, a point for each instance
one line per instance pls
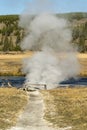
(1, 42)
(81, 44)
(18, 39)
(17, 48)
(11, 46)
(6, 44)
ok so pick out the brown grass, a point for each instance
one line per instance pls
(16, 56)
(67, 107)
(64, 107)
(12, 102)
(12, 64)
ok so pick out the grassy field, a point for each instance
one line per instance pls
(12, 64)
(82, 58)
(12, 102)
(64, 107)
(67, 107)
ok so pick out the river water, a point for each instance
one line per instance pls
(18, 81)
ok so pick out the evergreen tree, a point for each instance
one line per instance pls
(6, 44)
(4, 31)
(85, 30)
(1, 42)
(17, 48)
(11, 46)
(81, 44)
(18, 39)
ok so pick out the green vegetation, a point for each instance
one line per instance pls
(73, 16)
(11, 34)
(80, 37)
(67, 107)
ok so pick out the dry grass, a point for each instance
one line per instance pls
(67, 107)
(12, 102)
(83, 64)
(64, 107)
(10, 67)
(12, 64)
(16, 56)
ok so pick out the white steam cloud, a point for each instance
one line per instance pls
(55, 58)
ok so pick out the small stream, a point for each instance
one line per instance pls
(18, 81)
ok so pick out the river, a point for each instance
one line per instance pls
(18, 81)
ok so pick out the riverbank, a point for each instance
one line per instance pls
(11, 64)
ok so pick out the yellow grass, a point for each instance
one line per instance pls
(12, 64)
(83, 64)
(64, 107)
(16, 56)
(82, 55)
(67, 107)
(12, 102)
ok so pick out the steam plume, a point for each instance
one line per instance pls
(55, 58)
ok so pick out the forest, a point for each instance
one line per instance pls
(11, 34)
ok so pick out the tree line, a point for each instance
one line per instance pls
(11, 34)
